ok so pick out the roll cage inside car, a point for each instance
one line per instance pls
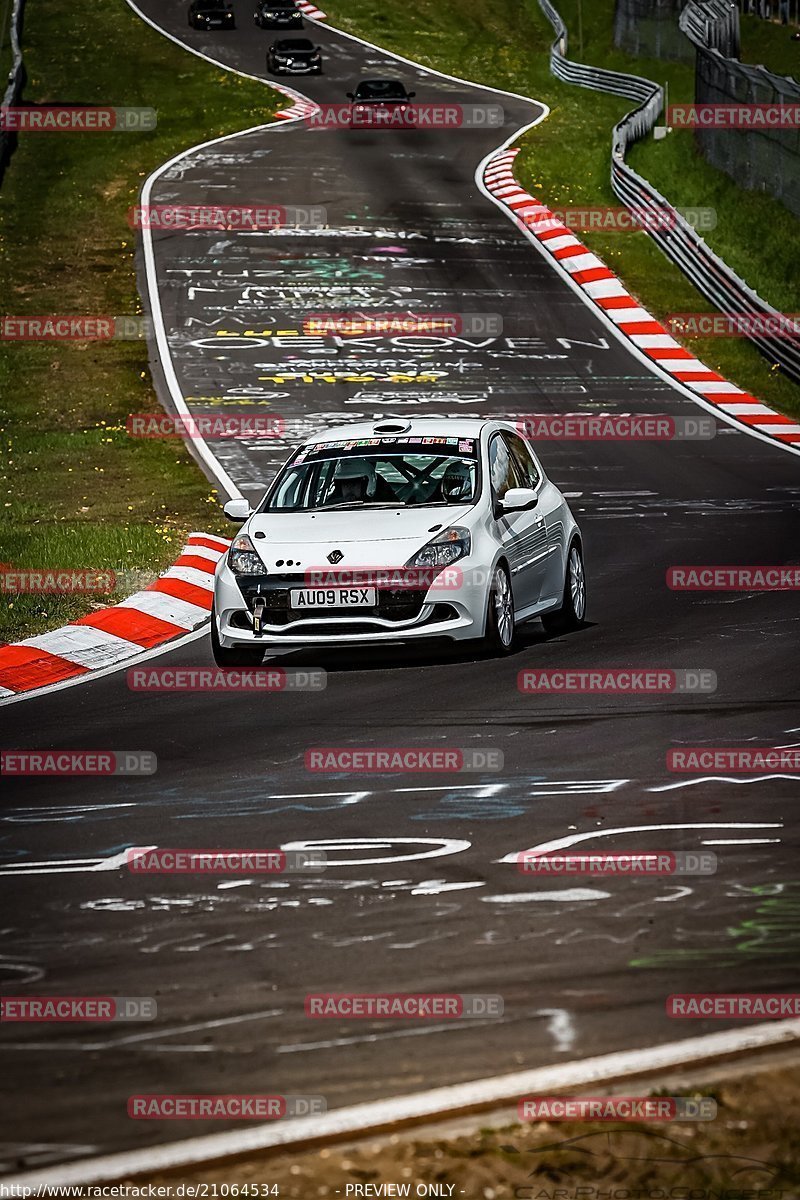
(416, 477)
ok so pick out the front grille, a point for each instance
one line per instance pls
(394, 604)
(356, 626)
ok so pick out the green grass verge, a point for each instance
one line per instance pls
(769, 44)
(77, 491)
(565, 160)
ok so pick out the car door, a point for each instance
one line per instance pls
(523, 534)
(552, 510)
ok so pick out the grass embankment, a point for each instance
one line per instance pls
(769, 44)
(751, 1149)
(77, 491)
(565, 160)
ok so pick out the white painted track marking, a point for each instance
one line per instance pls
(437, 1104)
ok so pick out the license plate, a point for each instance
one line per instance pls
(357, 597)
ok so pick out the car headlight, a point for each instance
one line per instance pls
(447, 547)
(243, 559)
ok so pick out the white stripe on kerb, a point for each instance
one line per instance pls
(83, 644)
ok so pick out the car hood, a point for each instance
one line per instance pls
(371, 536)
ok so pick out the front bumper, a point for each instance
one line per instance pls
(384, 119)
(400, 614)
(304, 69)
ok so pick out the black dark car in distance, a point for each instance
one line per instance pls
(383, 103)
(211, 14)
(278, 14)
(294, 56)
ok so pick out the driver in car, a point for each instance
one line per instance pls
(354, 482)
(456, 482)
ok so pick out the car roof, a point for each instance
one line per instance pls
(411, 426)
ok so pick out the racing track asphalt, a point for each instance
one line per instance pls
(584, 966)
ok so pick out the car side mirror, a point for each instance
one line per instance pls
(519, 500)
(411, 95)
(237, 510)
(350, 95)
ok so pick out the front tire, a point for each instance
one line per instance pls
(572, 614)
(234, 656)
(501, 625)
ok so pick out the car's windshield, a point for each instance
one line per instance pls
(381, 89)
(273, 5)
(378, 473)
(295, 45)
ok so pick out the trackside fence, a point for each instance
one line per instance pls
(766, 158)
(681, 243)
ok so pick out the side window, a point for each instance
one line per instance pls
(291, 488)
(525, 466)
(501, 467)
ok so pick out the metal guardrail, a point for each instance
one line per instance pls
(713, 25)
(712, 277)
(762, 158)
(17, 79)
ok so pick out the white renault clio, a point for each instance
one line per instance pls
(398, 530)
